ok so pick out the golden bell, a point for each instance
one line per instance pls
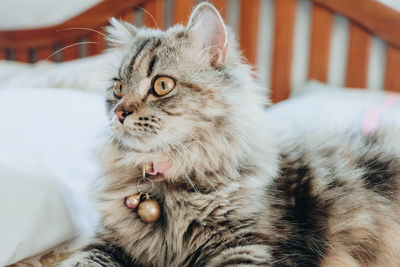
(149, 210)
(133, 201)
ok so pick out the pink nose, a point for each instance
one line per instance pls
(121, 115)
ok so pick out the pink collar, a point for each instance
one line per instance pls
(154, 168)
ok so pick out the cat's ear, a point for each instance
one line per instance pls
(207, 31)
(120, 33)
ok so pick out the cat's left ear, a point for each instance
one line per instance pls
(120, 33)
(207, 31)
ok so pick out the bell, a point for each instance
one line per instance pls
(149, 210)
(133, 201)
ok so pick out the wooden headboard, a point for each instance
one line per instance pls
(367, 18)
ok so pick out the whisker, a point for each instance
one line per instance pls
(81, 28)
(190, 152)
(175, 159)
(192, 162)
(197, 156)
(151, 16)
(68, 46)
(184, 173)
(197, 169)
(203, 146)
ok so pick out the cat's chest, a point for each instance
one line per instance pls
(187, 226)
(168, 240)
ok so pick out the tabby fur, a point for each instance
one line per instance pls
(236, 194)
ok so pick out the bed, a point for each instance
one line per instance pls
(276, 58)
(336, 43)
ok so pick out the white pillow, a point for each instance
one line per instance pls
(88, 74)
(47, 138)
(317, 106)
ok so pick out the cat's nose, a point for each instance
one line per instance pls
(122, 114)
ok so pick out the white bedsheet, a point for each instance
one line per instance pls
(47, 161)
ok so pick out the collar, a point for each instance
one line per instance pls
(154, 168)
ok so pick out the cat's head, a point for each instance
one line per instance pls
(184, 84)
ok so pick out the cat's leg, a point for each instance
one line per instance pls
(250, 255)
(99, 253)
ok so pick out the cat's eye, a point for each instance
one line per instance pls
(119, 89)
(163, 85)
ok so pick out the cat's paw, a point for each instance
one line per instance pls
(80, 260)
(92, 258)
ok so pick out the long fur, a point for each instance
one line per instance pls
(235, 195)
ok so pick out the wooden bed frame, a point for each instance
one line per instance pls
(367, 18)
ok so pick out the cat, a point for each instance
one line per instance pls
(234, 194)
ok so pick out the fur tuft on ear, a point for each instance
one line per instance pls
(120, 33)
(207, 31)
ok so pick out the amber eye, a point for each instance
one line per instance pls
(163, 85)
(119, 89)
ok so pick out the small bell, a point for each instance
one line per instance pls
(133, 201)
(149, 210)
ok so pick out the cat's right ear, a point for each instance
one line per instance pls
(120, 33)
(207, 31)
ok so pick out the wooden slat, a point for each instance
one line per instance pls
(21, 56)
(98, 46)
(70, 53)
(321, 29)
(94, 18)
(370, 14)
(392, 73)
(128, 16)
(182, 9)
(283, 49)
(358, 57)
(44, 54)
(3, 54)
(222, 7)
(155, 18)
(249, 18)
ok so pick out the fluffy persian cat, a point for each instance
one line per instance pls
(232, 194)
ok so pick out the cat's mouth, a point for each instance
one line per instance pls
(139, 142)
(151, 141)
(137, 129)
